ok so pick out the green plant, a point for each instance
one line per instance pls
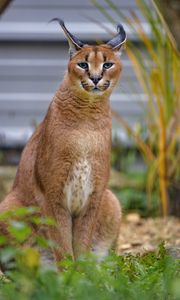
(154, 275)
(158, 73)
(128, 181)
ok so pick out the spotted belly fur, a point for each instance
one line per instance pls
(78, 187)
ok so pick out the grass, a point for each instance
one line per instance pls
(152, 276)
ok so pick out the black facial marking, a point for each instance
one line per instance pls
(104, 57)
(107, 83)
(86, 57)
(95, 51)
(84, 84)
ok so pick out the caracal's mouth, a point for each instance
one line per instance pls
(95, 88)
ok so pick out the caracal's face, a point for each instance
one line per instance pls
(94, 70)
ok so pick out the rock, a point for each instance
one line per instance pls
(136, 243)
(125, 246)
(133, 218)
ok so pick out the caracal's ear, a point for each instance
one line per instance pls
(119, 40)
(74, 43)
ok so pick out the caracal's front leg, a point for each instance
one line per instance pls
(61, 233)
(84, 226)
(107, 226)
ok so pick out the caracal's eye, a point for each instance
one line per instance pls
(83, 65)
(107, 65)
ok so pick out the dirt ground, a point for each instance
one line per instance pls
(137, 235)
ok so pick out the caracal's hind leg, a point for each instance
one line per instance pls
(108, 225)
(11, 202)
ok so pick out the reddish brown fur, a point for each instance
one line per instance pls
(76, 126)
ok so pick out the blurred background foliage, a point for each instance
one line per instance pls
(158, 73)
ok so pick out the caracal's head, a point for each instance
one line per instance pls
(93, 71)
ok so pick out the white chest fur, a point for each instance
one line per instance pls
(78, 186)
